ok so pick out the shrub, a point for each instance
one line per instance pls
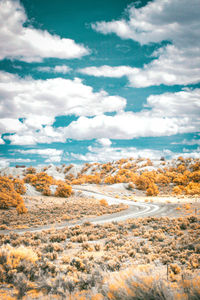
(63, 190)
(152, 190)
(19, 186)
(178, 190)
(9, 197)
(21, 209)
(46, 191)
(193, 188)
(30, 170)
(41, 181)
(142, 182)
(12, 260)
(103, 202)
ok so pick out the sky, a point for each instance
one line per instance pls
(94, 81)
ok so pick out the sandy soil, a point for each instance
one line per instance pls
(120, 191)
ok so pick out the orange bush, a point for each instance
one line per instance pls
(103, 202)
(30, 170)
(109, 180)
(178, 190)
(193, 188)
(152, 190)
(21, 209)
(63, 190)
(19, 186)
(41, 181)
(9, 197)
(162, 179)
(46, 191)
(142, 182)
(181, 179)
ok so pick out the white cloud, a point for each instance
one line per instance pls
(112, 154)
(107, 71)
(2, 141)
(104, 142)
(97, 154)
(29, 98)
(53, 159)
(190, 154)
(10, 125)
(51, 155)
(167, 114)
(23, 139)
(176, 21)
(29, 44)
(40, 101)
(57, 69)
(5, 162)
(188, 142)
(42, 152)
(19, 160)
(163, 115)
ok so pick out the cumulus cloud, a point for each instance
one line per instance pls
(191, 142)
(52, 97)
(104, 142)
(163, 115)
(38, 102)
(110, 154)
(176, 21)
(5, 162)
(193, 154)
(107, 71)
(29, 44)
(167, 114)
(2, 141)
(57, 69)
(51, 155)
(102, 154)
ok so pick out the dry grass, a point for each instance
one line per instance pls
(50, 210)
(95, 260)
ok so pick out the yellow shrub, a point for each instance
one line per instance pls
(178, 190)
(30, 170)
(13, 256)
(63, 190)
(103, 202)
(152, 190)
(8, 196)
(41, 181)
(162, 179)
(46, 191)
(193, 188)
(109, 180)
(19, 186)
(21, 209)
(142, 182)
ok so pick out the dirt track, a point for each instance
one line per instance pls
(134, 210)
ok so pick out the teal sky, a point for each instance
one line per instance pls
(98, 80)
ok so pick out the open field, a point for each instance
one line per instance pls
(44, 210)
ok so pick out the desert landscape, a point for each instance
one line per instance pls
(99, 150)
(128, 229)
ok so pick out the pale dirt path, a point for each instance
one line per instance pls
(134, 210)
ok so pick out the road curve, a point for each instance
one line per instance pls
(134, 210)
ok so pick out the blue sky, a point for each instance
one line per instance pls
(98, 80)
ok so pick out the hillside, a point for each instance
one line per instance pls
(125, 229)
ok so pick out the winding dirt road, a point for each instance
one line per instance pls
(134, 210)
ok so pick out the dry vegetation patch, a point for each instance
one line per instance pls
(104, 261)
(51, 210)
